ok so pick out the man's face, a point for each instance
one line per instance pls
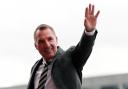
(46, 43)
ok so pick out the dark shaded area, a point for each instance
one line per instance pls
(110, 87)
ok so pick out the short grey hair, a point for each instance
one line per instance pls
(43, 27)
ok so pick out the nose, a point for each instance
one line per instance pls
(47, 44)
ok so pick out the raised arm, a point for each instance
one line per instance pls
(83, 49)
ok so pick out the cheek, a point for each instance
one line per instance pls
(39, 47)
(55, 48)
(54, 45)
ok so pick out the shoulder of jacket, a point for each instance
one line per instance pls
(70, 50)
(33, 67)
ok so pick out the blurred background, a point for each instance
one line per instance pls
(19, 18)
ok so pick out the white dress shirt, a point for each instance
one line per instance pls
(49, 83)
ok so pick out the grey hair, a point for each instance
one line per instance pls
(43, 27)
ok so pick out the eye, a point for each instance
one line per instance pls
(50, 39)
(40, 41)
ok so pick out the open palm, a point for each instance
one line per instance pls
(90, 18)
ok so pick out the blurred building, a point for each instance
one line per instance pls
(16, 87)
(106, 82)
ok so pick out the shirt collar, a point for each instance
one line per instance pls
(44, 62)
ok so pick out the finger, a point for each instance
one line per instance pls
(97, 14)
(89, 8)
(92, 12)
(86, 12)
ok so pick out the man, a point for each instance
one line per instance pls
(64, 67)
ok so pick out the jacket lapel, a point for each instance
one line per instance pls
(35, 67)
(33, 71)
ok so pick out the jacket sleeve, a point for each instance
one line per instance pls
(82, 51)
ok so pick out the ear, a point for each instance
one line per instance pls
(36, 46)
(57, 41)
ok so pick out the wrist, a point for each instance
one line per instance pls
(90, 32)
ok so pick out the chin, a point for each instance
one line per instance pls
(50, 57)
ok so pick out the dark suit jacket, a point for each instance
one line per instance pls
(67, 65)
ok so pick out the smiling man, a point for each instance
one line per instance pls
(58, 69)
(46, 41)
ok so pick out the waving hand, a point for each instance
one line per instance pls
(90, 18)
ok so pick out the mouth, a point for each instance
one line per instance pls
(48, 50)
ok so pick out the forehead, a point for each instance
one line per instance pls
(44, 33)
